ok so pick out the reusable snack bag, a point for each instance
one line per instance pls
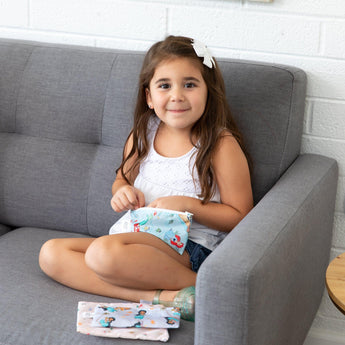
(170, 226)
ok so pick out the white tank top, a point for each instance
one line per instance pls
(161, 176)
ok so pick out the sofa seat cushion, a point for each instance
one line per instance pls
(44, 299)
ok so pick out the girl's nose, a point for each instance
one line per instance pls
(177, 94)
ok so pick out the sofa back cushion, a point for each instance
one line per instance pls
(268, 104)
(65, 113)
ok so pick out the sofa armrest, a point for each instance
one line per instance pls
(4, 229)
(264, 283)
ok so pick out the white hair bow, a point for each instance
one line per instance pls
(202, 51)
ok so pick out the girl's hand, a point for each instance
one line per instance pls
(176, 203)
(127, 198)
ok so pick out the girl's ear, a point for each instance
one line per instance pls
(148, 97)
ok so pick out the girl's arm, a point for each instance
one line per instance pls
(233, 180)
(125, 196)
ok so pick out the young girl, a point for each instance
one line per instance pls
(184, 153)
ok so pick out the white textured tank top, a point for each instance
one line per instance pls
(161, 176)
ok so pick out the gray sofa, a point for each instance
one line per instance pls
(65, 112)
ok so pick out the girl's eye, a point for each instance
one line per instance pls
(164, 86)
(189, 85)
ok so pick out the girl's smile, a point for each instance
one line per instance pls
(178, 93)
(178, 110)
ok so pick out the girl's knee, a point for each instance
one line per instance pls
(104, 256)
(48, 256)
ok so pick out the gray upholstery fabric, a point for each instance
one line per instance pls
(62, 95)
(12, 64)
(65, 112)
(121, 98)
(4, 229)
(267, 102)
(44, 179)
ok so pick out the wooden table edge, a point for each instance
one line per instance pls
(335, 299)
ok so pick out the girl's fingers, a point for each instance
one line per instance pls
(117, 205)
(131, 199)
(140, 198)
(127, 199)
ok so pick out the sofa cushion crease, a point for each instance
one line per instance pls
(105, 96)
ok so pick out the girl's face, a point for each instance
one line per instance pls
(178, 93)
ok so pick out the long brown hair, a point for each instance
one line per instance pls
(208, 129)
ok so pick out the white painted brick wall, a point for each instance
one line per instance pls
(99, 18)
(333, 44)
(309, 34)
(247, 30)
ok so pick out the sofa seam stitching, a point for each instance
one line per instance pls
(115, 58)
(20, 85)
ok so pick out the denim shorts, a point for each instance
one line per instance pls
(197, 254)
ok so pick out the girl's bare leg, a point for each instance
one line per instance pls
(139, 261)
(117, 266)
(64, 261)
